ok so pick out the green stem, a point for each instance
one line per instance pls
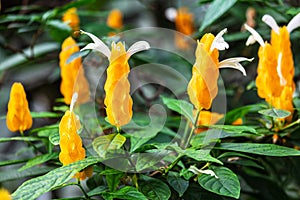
(83, 191)
(193, 128)
(30, 143)
(173, 163)
(291, 124)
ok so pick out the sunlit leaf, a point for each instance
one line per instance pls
(105, 143)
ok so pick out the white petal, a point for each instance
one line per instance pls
(250, 40)
(98, 44)
(278, 68)
(234, 63)
(171, 14)
(270, 21)
(255, 34)
(138, 46)
(197, 171)
(73, 100)
(294, 23)
(219, 42)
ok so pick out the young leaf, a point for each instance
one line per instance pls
(275, 113)
(104, 143)
(35, 187)
(216, 9)
(182, 107)
(154, 189)
(227, 183)
(260, 149)
(178, 183)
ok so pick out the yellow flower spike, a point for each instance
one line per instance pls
(71, 17)
(118, 101)
(115, 19)
(4, 194)
(72, 74)
(184, 23)
(18, 117)
(203, 87)
(70, 142)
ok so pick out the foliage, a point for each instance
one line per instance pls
(251, 153)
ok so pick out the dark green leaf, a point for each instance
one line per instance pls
(260, 149)
(126, 192)
(275, 113)
(35, 187)
(149, 160)
(104, 143)
(113, 181)
(182, 107)
(178, 183)
(154, 189)
(39, 160)
(97, 191)
(215, 11)
(227, 183)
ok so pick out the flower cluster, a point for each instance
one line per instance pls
(118, 101)
(275, 71)
(18, 115)
(70, 142)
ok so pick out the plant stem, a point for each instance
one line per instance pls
(193, 128)
(83, 191)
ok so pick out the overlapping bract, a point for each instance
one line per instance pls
(71, 143)
(275, 71)
(118, 101)
(203, 86)
(71, 17)
(18, 117)
(72, 74)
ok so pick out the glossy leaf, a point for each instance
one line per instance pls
(260, 149)
(227, 183)
(178, 183)
(216, 9)
(154, 189)
(39, 160)
(181, 106)
(105, 143)
(126, 192)
(35, 187)
(275, 113)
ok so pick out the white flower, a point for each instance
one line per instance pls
(197, 171)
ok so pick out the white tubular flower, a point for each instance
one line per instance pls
(234, 63)
(270, 21)
(294, 23)
(197, 171)
(219, 42)
(254, 36)
(98, 45)
(279, 71)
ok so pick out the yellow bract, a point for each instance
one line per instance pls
(203, 88)
(72, 19)
(207, 118)
(70, 143)
(72, 74)
(118, 101)
(115, 19)
(18, 116)
(4, 194)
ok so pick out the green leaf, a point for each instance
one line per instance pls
(227, 183)
(12, 162)
(38, 50)
(39, 160)
(275, 113)
(113, 180)
(182, 107)
(54, 138)
(16, 175)
(104, 143)
(75, 55)
(58, 29)
(35, 187)
(28, 138)
(154, 189)
(149, 160)
(127, 192)
(260, 149)
(45, 115)
(97, 191)
(234, 129)
(216, 9)
(178, 183)
(240, 112)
